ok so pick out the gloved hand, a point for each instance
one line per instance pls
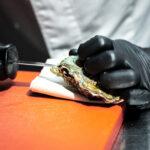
(121, 67)
(8, 61)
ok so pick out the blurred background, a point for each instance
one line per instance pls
(24, 33)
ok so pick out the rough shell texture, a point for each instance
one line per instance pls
(73, 75)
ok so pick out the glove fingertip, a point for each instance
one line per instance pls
(73, 52)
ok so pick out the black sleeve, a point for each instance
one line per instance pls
(147, 50)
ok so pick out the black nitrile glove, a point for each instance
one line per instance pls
(121, 67)
(8, 61)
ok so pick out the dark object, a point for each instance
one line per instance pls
(73, 52)
(121, 66)
(8, 61)
(134, 134)
(18, 25)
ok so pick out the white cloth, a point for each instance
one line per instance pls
(67, 23)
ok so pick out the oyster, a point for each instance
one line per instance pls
(73, 74)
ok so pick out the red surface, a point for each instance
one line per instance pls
(43, 123)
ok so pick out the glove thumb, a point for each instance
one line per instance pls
(137, 99)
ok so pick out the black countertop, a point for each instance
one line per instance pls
(135, 132)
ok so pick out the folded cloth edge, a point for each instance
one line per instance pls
(45, 86)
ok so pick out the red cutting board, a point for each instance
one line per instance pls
(37, 122)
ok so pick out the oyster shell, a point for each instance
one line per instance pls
(73, 75)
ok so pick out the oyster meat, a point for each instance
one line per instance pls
(73, 75)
